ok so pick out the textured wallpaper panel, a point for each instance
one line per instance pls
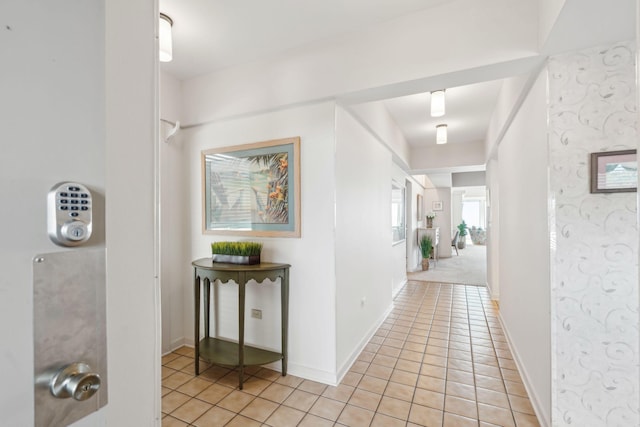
(595, 259)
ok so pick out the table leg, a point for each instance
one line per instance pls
(284, 305)
(216, 315)
(196, 288)
(207, 306)
(241, 297)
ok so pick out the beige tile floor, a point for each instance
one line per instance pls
(439, 360)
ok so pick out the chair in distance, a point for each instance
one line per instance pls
(454, 242)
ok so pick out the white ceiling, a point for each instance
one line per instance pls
(210, 35)
(468, 111)
(213, 34)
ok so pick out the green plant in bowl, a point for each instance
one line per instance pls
(236, 248)
(236, 252)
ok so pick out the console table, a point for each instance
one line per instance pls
(228, 353)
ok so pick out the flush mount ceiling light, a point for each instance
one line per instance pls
(437, 103)
(441, 134)
(166, 42)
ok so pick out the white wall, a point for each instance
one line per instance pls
(513, 91)
(524, 246)
(596, 380)
(375, 117)
(363, 236)
(456, 208)
(548, 14)
(493, 228)
(505, 32)
(174, 261)
(447, 156)
(312, 257)
(608, 22)
(469, 179)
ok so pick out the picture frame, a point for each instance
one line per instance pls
(252, 189)
(436, 205)
(614, 172)
(419, 204)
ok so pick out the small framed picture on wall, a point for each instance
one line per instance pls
(614, 171)
(436, 205)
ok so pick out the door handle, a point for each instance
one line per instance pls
(75, 380)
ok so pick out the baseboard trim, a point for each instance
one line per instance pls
(176, 344)
(397, 289)
(181, 343)
(312, 374)
(305, 372)
(493, 296)
(362, 344)
(543, 418)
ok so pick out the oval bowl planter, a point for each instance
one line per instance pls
(237, 259)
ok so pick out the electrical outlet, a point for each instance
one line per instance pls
(256, 314)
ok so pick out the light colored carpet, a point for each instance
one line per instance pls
(469, 268)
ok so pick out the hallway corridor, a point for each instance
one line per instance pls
(439, 360)
(469, 267)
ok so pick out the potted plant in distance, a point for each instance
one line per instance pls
(430, 216)
(236, 252)
(426, 246)
(462, 236)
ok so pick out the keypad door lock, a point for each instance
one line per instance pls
(69, 216)
(75, 380)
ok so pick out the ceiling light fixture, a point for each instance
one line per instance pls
(437, 103)
(441, 134)
(166, 42)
